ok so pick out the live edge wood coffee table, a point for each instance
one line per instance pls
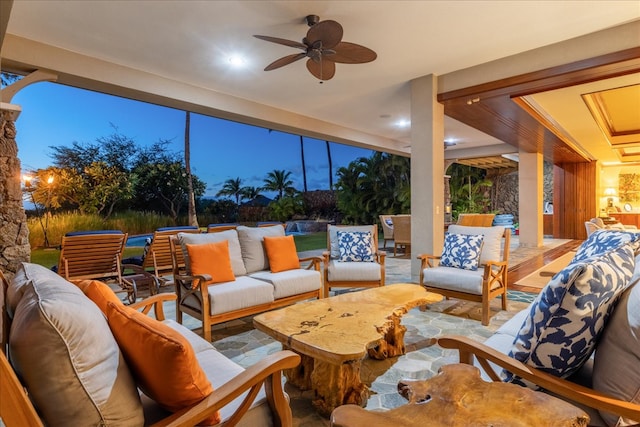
(457, 396)
(333, 336)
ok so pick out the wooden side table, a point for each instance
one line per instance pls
(457, 396)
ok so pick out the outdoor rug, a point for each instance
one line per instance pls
(540, 277)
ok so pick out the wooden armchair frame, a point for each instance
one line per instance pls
(16, 410)
(193, 295)
(379, 259)
(469, 349)
(494, 280)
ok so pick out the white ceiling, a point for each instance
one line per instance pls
(192, 41)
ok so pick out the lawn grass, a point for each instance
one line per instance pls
(311, 241)
(306, 242)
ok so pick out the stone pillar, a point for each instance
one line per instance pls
(14, 235)
(427, 170)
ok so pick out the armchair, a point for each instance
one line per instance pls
(488, 281)
(353, 273)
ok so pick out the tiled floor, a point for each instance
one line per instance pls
(245, 345)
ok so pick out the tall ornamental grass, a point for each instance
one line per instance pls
(60, 224)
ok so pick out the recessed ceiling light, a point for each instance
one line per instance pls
(237, 61)
(403, 123)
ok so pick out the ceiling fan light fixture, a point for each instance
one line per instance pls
(323, 46)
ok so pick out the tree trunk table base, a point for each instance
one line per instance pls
(333, 336)
(459, 396)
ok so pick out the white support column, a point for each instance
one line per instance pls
(427, 170)
(531, 199)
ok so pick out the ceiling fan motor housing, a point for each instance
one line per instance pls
(312, 20)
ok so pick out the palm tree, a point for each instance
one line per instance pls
(330, 165)
(232, 187)
(304, 167)
(278, 180)
(193, 218)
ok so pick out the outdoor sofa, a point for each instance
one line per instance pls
(251, 279)
(580, 338)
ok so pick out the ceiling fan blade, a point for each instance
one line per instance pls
(328, 32)
(285, 60)
(321, 70)
(285, 42)
(351, 53)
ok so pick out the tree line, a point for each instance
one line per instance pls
(115, 173)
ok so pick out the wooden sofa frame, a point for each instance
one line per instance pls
(469, 349)
(195, 286)
(16, 410)
(494, 280)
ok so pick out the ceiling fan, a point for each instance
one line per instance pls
(324, 47)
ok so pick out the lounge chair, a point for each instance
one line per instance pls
(157, 258)
(95, 255)
(216, 228)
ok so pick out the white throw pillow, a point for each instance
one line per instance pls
(491, 247)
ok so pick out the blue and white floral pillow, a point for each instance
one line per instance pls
(355, 246)
(603, 241)
(568, 316)
(462, 251)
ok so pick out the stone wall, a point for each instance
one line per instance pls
(504, 193)
(14, 235)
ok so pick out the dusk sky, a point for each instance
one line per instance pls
(57, 115)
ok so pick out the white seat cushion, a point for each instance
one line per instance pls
(244, 292)
(354, 271)
(455, 279)
(291, 282)
(220, 370)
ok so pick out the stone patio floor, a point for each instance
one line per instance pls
(239, 341)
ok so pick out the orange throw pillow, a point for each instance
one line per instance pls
(162, 361)
(212, 259)
(98, 292)
(282, 253)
